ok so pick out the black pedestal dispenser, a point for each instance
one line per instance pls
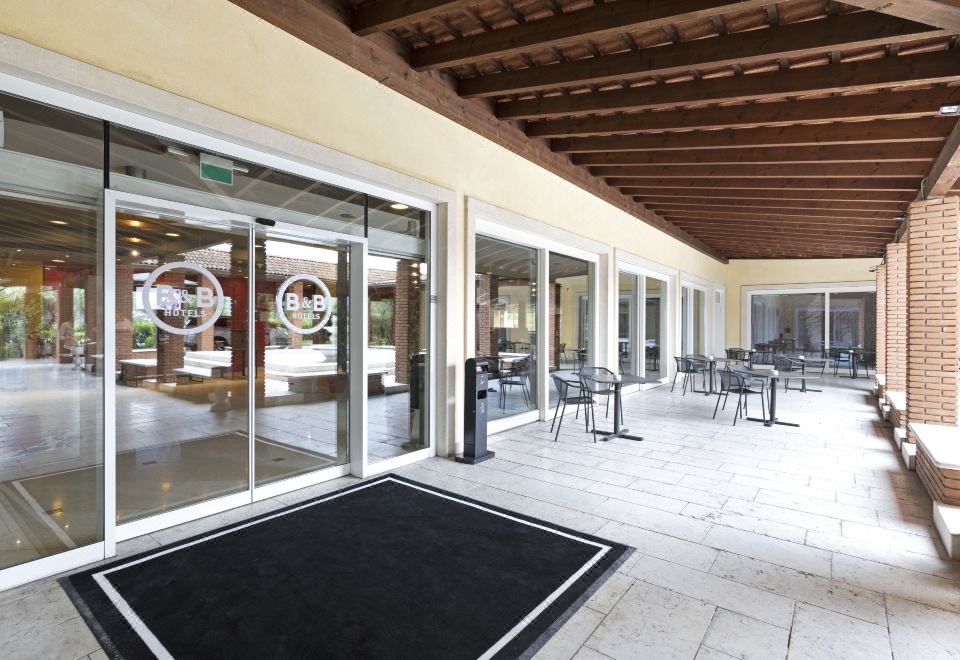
(475, 412)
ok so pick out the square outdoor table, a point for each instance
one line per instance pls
(772, 398)
(617, 381)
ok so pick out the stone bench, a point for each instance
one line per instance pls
(938, 465)
(199, 374)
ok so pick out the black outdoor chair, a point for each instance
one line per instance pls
(787, 365)
(841, 357)
(573, 393)
(735, 382)
(594, 388)
(515, 374)
(605, 390)
(689, 367)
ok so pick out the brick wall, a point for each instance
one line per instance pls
(932, 311)
(407, 312)
(124, 312)
(881, 320)
(896, 330)
(554, 334)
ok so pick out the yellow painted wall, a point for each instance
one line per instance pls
(753, 272)
(218, 54)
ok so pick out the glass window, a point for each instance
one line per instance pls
(853, 320)
(51, 331)
(627, 321)
(154, 166)
(398, 355)
(787, 323)
(506, 323)
(655, 328)
(692, 321)
(571, 301)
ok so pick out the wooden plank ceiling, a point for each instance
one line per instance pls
(789, 129)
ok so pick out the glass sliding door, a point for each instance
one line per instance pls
(655, 328)
(853, 320)
(692, 321)
(301, 330)
(628, 323)
(51, 333)
(181, 360)
(506, 323)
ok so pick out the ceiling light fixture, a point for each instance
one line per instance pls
(134, 223)
(57, 261)
(58, 222)
(397, 206)
(172, 234)
(949, 109)
(134, 253)
(133, 239)
(173, 150)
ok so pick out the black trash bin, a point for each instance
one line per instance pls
(475, 412)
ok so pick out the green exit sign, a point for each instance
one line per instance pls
(215, 168)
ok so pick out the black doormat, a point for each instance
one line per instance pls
(388, 568)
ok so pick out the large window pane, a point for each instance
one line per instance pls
(182, 394)
(627, 321)
(692, 317)
(51, 332)
(788, 323)
(571, 304)
(506, 323)
(655, 331)
(853, 320)
(398, 352)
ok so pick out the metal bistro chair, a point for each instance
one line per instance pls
(736, 382)
(514, 374)
(689, 367)
(786, 366)
(595, 389)
(841, 357)
(605, 390)
(574, 393)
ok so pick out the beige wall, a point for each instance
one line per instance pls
(753, 272)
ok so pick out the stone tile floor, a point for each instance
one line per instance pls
(752, 542)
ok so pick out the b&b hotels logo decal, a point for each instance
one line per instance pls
(174, 301)
(292, 307)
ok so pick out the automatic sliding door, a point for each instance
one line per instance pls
(181, 361)
(302, 330)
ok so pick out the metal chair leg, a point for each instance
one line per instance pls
(555, 410)
(561, 420)
(717, 407)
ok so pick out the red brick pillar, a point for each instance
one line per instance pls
(896, 331)
(170, 345)
(483, 329)
(124, 312)
(932, 339)
(881, 322)
(554, 315)
(407, 311)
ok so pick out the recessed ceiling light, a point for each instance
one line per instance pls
(134, 223)
(58, 222)
(133, 239)
(57, 261)
(172, 234)
(134, 253)
(950, 109)
(397, 206)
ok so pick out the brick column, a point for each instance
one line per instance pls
(486, 291)
(169, 345)
(407, 311)
(124, 312)
(896, 330)
(554, 315)
(882, 322)
(932, 339)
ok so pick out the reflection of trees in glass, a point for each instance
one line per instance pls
(381, 322)
(13, 322)
(144, 334)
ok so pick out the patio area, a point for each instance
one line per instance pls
(752, 542)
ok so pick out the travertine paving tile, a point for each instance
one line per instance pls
(920, 632)
(819, 633)
(746, 638)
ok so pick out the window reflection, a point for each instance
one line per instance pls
(789, 323)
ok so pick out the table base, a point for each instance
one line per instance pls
(767, 422)
(622, 433)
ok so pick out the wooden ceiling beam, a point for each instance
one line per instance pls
(388, 14)
(941, 13)
(780, 195)
(946, 169)
(776, 234)
(890, 185)
(870, 217)
(865, 153)
(795, 40)
(769, 170)
(886, 209)
(594, 22)
(888, 105)
(864, 75)
(932, 129)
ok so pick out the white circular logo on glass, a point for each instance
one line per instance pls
(172, 300)
(292, 307)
